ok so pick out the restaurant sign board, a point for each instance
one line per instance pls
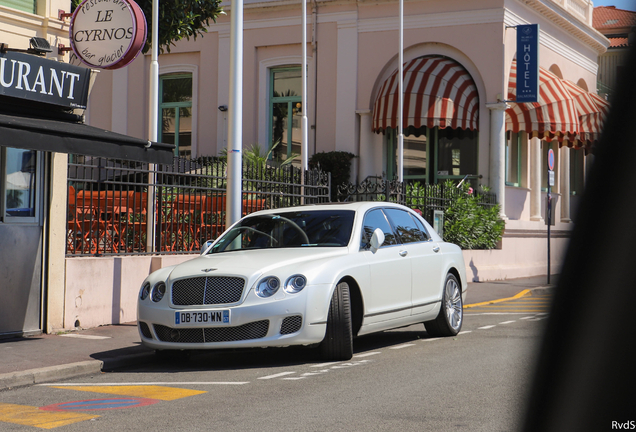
(34, 78)
(108, 34)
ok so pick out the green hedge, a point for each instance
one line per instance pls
(471, 225)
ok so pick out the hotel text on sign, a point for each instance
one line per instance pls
(528, 63)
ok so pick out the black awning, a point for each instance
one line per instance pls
(76, 138)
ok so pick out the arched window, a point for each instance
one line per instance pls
(285, 106)
(175, 105)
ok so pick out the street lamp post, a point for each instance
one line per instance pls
(153, 126)
(401, 98)
(235, 112)
(304, 133)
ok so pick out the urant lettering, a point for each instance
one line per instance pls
(22, 82)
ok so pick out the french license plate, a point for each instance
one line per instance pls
(202, 317)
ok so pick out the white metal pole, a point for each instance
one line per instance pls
(304, 132)
(401, 99)
(235, 116)
(153, 127)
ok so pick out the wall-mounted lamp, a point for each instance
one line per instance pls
(37, 45)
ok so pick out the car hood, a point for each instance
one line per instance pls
(253, 263)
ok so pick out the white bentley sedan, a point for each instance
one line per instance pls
(312, 275)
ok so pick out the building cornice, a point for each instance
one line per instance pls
(552, 43)
(568, 22)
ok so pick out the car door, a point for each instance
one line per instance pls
(426, 261)
(390, 272)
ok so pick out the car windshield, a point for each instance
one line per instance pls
(318, 228)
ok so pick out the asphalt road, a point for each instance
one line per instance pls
(398, 380)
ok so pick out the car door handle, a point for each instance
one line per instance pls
(404, 253)
(435, 249)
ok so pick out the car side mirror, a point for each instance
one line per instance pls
(376, 240)
(206, 245)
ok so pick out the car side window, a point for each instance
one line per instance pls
(405, 226)
(425, 235)
(373, 220)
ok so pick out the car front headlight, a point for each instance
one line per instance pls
(145, 290)
(295, 284)
(158, 292)
(267, 287)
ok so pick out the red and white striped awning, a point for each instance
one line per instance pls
(592, 111)
(438, 92)
(553, 116)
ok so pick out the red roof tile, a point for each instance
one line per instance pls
(608, 17)
(618, 42)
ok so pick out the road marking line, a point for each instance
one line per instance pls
(430, 340)
(464, 332)
(276, 375)
(537, 319)
(144, 383)
(80, 336)
(294, 378)
(521, 294)
(367, 354)
(527, 317)
(324, 364)
(33, 416)
(350, 364)
(148, 392)
(306, 374)
(486, 327)
(402, 346)
(496, 313)
(507, 322)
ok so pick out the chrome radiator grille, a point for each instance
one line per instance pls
(253, 330)
(207, 290)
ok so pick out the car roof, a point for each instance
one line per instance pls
(354, 206)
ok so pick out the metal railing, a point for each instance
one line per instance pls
(108, 202)
(424, 197)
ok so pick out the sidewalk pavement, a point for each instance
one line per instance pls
(50, 357)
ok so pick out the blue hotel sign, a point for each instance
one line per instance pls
(528, 63)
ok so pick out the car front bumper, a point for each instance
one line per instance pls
(282, 320)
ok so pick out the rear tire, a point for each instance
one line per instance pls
(451, 313)
(338, 342)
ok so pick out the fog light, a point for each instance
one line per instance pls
(175, 335)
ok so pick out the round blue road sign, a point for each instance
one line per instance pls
(551, 159)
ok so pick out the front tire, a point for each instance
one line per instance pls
(338, 342)
(451, 313)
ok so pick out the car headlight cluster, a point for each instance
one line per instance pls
(145, 290)
(295, 284)
(269, 285)
(156, 292)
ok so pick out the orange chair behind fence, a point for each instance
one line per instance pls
(212, 218)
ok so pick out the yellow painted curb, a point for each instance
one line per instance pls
(521, 294)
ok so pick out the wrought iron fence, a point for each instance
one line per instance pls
(108, 202)
(424, 197)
